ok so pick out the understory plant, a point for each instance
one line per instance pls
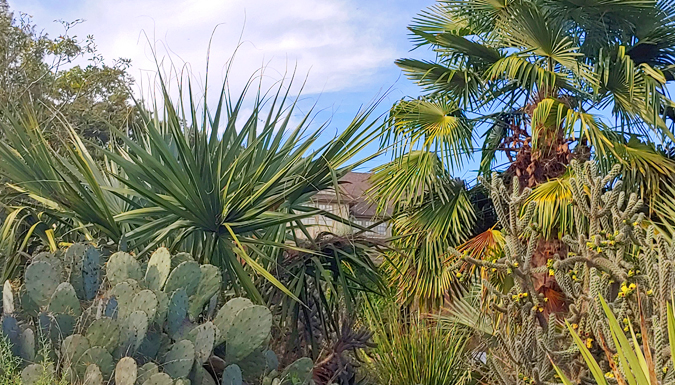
(415, 349)
(613, 253)
(159, 321)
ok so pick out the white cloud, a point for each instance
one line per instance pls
(341, 44)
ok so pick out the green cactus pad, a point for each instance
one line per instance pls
(41, 280)
(177, 312)
(162, 306)
(93, 375)
(7, 298)
(121, 267)
(272, 360)
(299, 372)
(232, 375)
(65, 301)
(158, 379)
(255, 365)
(158, 270)
(33, 373)
(27, 345)
(203, 338)
(146, 301)
(250, 330)
(104, 332)
(100, 357)
(182, 381)
(178, 361)
(91, 273)
(124, 293)
(200, 376)
(53, 260)
(226, 315)
(73, 347)
(151, 344)
(11, 331)
(209, 284)
(146, 371)
(180, 258)
(185, 276)
(126, 371)
(134, 329)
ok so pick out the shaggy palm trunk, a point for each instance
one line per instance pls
(533, 166)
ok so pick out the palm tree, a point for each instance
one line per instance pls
(538, 83)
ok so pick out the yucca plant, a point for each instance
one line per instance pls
(190, 176)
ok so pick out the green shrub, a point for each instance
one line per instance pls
(415, 349)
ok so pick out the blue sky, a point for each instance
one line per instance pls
(346, 48)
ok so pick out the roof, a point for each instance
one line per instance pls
(354, 188)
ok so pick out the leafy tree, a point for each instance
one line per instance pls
(50, 72)
(540, 82)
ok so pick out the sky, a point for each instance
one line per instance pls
(344, 50)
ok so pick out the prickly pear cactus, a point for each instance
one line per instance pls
(611, 253)
(139, 323)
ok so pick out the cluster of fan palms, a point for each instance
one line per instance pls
(529, 85)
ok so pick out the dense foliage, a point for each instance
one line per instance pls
(541, 83)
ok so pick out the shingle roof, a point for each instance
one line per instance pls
(354, 188)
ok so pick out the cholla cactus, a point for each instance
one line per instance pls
(145, 324)
(612, 254)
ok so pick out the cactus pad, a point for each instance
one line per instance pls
(146, 371)
(104, 332)
(126, 371)
(146, 301)
(177, 312)
(97, 356)
(65, 301)
(209, 284)
(159, 379)
(124, 293)
(299, 372)
(203, 338)
(134, 329)
(91, 273)
(162, 306)
(7, 298)
(41, 280)
(185, 276)
(232, 375)
(178, 361)
(11, 330)
(93, 375)
(27, 345)
(158, 269)
(73, 347)
(121, 267)
(33, 373)
(200, 376)
(226, 315)
(180, 258)
(250, 329)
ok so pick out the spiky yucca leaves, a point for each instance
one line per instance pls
(611, 253)
(191, 176)
(328, 275)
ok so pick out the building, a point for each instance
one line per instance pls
(350, 202)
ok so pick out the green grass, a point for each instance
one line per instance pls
(415, 350)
